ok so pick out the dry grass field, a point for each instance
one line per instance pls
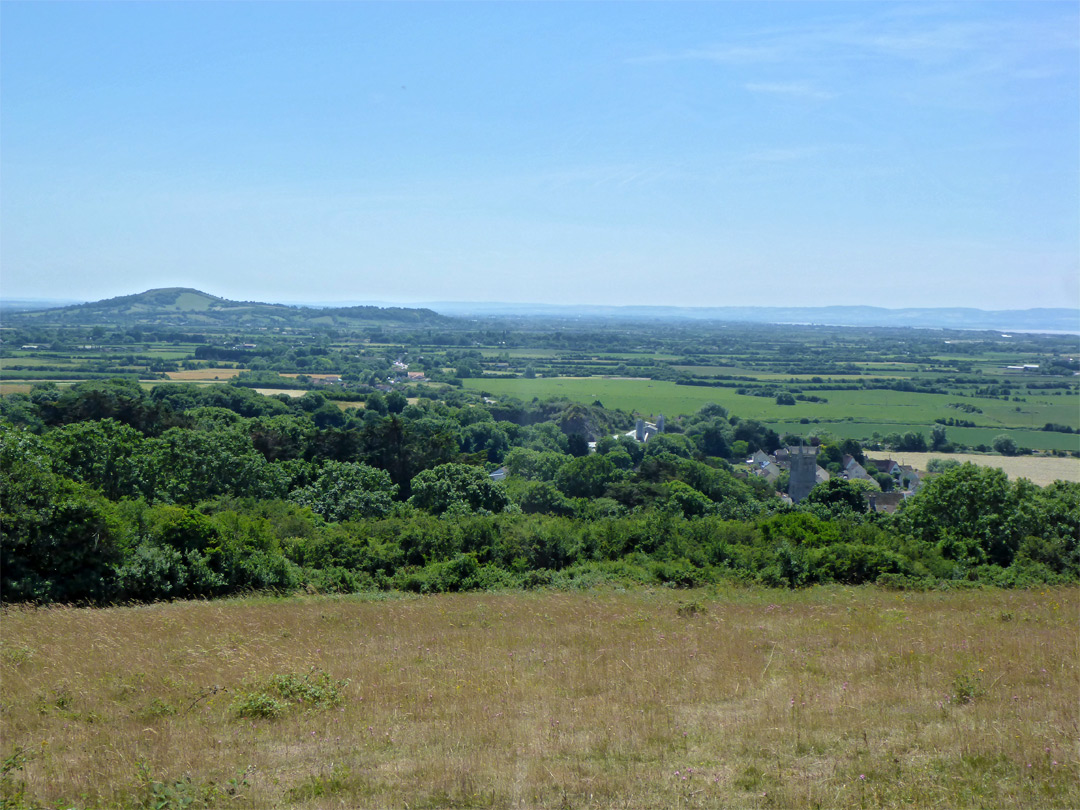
(203, 374)
(1041, 470)
(830, 697)
(296, 393)
(15, 388)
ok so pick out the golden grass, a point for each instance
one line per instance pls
(1041, 470)
(289, 392)
(831, 697)
(204, 374)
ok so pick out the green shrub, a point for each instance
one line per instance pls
(272, 697)
(966, 688)
(259, 705)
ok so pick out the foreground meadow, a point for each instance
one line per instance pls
(828, 697)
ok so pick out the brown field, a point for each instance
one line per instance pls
(15, 388)
(204, 374)
(289, 392)
(1041, 470)
(830, 697)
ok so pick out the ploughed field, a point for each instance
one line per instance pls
(827, 697)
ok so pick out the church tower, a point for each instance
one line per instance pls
(803, 471)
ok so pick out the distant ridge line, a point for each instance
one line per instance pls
(1037, 319)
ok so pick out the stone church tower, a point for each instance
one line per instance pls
(803, 471)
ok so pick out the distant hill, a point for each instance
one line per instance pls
(1020, 320)
(182, 306)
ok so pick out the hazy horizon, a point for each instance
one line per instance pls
(515, 305)
(701, 154)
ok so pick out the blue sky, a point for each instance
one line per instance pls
(726, 153)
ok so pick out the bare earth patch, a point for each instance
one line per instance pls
(829, 697)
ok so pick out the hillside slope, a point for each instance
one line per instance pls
(183, 306)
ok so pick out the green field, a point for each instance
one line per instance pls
(1035, 439)
(166, 354)
(649, 397)
(654, 396)
(847, 413)
(560, 354)
(639, 363)
(776, 376)
(59, 363)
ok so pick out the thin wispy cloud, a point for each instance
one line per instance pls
(773, 132)
(782, 155)
(793, 89)
(726, 54)
(933, 41)
(600, 176)
(926, 39)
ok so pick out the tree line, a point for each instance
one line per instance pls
(113, 493)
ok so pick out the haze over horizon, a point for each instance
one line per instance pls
(707, 154)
